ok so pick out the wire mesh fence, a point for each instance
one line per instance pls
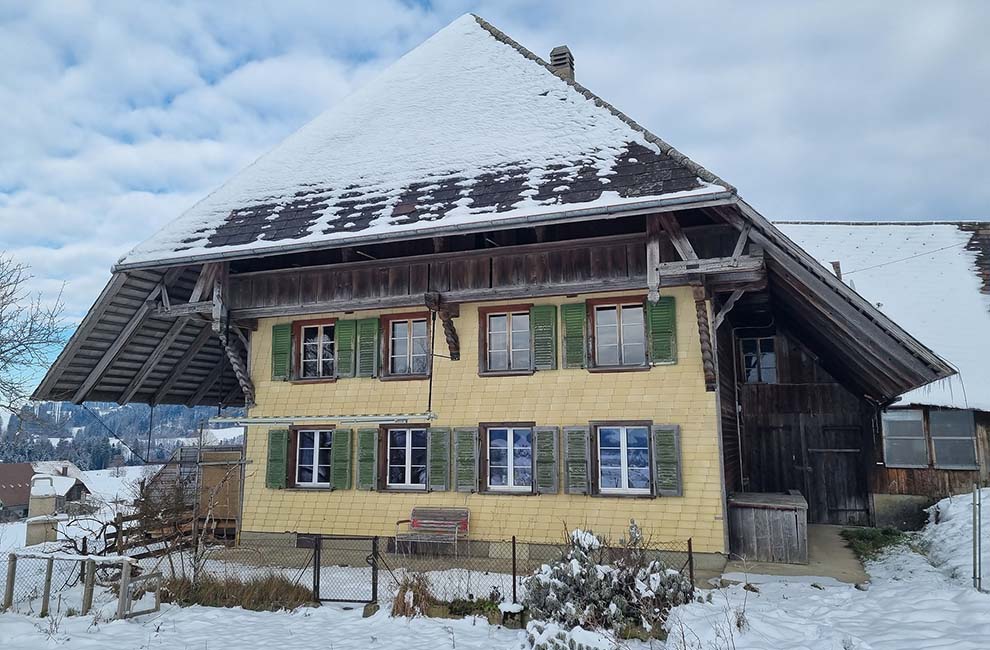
(56, 584)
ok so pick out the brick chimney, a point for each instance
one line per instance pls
(562, 62)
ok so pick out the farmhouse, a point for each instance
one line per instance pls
(475, 285)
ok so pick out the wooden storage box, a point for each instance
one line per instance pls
(768, 527)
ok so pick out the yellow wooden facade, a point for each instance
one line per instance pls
(666, 394)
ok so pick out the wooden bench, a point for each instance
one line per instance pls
(434, 525)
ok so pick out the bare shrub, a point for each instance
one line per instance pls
(413, 596)
(269, 593)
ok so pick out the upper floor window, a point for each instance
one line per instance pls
(623, 459)
(406, 454)
(313, 457)
(759, 360)
(620, 335)
(316, 350)
(508, 341)
(510, 459)
(408, 351)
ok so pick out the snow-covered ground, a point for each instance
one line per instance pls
(949, 543)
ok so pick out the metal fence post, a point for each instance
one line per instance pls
(317, 552)
(977, 541)
(691, 561)
(8, 592)
(513, 569)
(47, 594)
(90, 579)
(374, 569)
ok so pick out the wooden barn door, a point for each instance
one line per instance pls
(837, 490)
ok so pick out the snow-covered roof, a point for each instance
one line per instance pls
(469, 128)
(933, 279)
(45, 485)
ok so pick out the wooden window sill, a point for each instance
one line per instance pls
(304, 488)
(406, 490)
(506, 373)
(618, 368)
(403, 377)
(313, 380)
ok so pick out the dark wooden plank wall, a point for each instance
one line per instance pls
(727, 408)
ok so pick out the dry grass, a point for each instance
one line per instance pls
(270, 593)
(413, 596)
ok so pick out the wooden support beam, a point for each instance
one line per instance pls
(152, 361)
(183, 363)
(705, 336)
(727, 306)
(677, 237)
(232, 394)
(653, 231)
(741, 242)
(446, 311)
(203, 307)
(207, 384)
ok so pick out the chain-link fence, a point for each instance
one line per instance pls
(43, 584)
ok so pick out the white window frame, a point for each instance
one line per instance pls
(319, 327)
(971, 438)
(624, 459)
(408, 484)
(905, 415)
(620, 339)
(510, 448)
(509, 349)
(760, 369)
(409, 347)
(315, 465)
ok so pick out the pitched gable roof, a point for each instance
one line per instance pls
(931, 278)
(468, 128)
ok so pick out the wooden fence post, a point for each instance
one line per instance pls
(87, 602)
(47, 595)
(8, 592)
(125, 589)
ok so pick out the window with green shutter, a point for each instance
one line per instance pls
(367, 347)
(367, 459)
(546, 460)
(276, 469)
(281, 351)
(346, 336)
(466, 460)
(572, 318)
(576, 460)
(438, 472)
(661, 330)
(340, 460)
(543, 323)
(667, 458)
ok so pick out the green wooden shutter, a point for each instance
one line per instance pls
(577, 444)
(276, 469)
(573, 317)
(661, 330)
(340, 460)
(367, 456)
(466, 460)
(367, 347)
(545, 443)
(667, 457)
(281, 351)
(543, 325)
(344, 333)
(438, 470)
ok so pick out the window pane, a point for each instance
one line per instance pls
(304, 474)
(520, 340)
(905, 424)
(522, 477)
(310, 352)
(522, 457)
(397, 438)
(399, 366)
(400, 347)
(498, 476)
(400, 329)
(520, 359)
(419, 475)
(418, 456)
(749, 346)
(498, 360)
(311, 369)
(419, 438)
(305, 439)
(420, 347)
(522, 438)
(952, 424)
(397, 474)
(498, 457)
(769, 375)
(906, 452)
(605, 316)
(310, 334)
(954, 453)
(611, 477)
(326, 438)
(327, 350)
(637, 437)
(611, 458)
(498, 341)
(498, 438)
(397, 457)
(638, 458)
(633, 315)
(609, 437)
(634, 354)
(323, 474)
(750, 371)
(419, 328)
(607, 335)
(324, 457)
(608, 355)
(639, 478)
(520, 323)
(420, 365)
(497, 323)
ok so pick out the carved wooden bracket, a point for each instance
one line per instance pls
(447, 311)
(705, 335)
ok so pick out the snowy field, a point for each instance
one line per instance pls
(913, 602)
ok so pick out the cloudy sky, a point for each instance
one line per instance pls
(116, 116)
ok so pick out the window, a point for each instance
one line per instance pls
(508, 341)
(904, 443)
(510, 459)
(759, 360)
(408, 346)
(623, 459)
(316, 351)
(953, 439)
(313, 457)
(620, 335)
(407, 458)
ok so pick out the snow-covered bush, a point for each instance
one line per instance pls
(633, 591)
(551, 636)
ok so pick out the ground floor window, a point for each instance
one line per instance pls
(953, 438)
(940, 438)
(623, 459)
(510, 459)
(406, 455)
(313, 457)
